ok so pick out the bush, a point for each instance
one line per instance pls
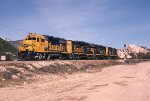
(140, 55)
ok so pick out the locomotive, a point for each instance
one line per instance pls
(42, 47)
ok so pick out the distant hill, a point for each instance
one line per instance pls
(7, 49)
(15, 43)
(134, 51)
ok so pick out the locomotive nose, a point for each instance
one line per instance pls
(28, 45)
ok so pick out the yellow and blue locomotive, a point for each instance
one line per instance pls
(41, 47)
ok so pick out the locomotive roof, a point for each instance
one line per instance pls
(52, 38)
(34, 35)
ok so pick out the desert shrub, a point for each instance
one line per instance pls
(144, 56)
(140, 55)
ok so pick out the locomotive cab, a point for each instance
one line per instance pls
(33, 42)
(32, 45)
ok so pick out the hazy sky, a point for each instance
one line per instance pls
(106, 22)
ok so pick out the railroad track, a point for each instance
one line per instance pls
(79, 61)
(16, 61)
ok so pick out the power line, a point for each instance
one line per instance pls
(16, 29)
(4, 30)
(10, 30)
(4, 37)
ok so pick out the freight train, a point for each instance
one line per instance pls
(42, 47)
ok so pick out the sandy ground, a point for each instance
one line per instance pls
(115, 83)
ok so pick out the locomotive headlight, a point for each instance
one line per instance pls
(26, 45)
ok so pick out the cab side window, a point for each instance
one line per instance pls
(42, 40)
(37, 39)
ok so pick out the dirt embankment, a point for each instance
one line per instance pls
(115, 83)
(25, 72)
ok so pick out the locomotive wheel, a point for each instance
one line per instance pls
(70, 57)
(49, 56)
(64, 57)
(44, 56)
(27, 57)
(60, 57)
(40, 56)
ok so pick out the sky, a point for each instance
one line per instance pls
(105, 22)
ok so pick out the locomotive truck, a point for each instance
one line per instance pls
(42, 47)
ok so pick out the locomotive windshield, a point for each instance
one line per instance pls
(32, 38)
